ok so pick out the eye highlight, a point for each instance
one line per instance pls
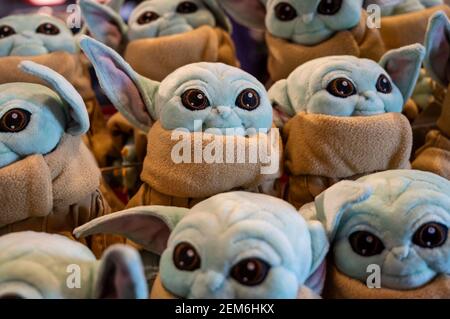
(248, 100)
(187, 7)
(329, 7)
(285, 12)
(6, 31)
(14, 121)
(147, 17)
(48, 29)
(186, 258)
(431, 235)
(341, 87)
(366, 244)
(384, 85)
(250, 272)
(195, 100)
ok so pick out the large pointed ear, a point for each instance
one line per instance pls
(403, 65)
(120, 275)
(149, 226)
(78, 118)
(105, 23)
(437, 42)
(250, 13)
(319, 243)
(132, 94)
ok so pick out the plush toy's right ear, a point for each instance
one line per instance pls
(279, 97)
(105, 23)
(149, 226)
(437, 42)
(132, 94)
(250, 13)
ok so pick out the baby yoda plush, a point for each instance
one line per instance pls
(434, 156)
(48, 41)
(50, 181)
(205, 122)
(396, 7)
(172, 32)
(389, 231)
(232, 245)
(345, 118)
(48, 266)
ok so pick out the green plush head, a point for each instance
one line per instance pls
(34, 34)
(349, 86)
(33, 117)
(196, 97)
(232, 245)
(397, 220)
(44, 266)
(151, 19)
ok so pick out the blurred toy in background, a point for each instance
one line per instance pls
(40, 266)
(50, 180)
(343, 119)
(48, 41)
(396, 220)
(233, 245)
(191, 114)
(395, 7)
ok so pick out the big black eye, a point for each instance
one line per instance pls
(250, 272)
(14, 121)
(341, 87)
(195, 100)
(248, 100)
(6, 31)
(147, 17)
(329, 7)
(48, 29)
(384, 85)
(187, 7)
(366, 244)
(431, 235)
(186, 258)
(285, 12)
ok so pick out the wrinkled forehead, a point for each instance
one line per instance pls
(29, 22)
(162, 6)
(27, 92)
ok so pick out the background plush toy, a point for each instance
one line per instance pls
(172, 32)
(434, 156)
(50, 181)
(43, 266)
(48, 41)
(397, 220)
(233, 245)
(395, 7)
(209, 97)
(344, 118)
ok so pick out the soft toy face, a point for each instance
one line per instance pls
(34, 34)
(399, 222)
(349, 86)
(33, 118)
(312, 21)
(156, 18)
(195, 97)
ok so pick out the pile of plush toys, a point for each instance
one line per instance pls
(331, 180)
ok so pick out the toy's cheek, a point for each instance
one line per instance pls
(393, 102)
(176, 282)
(7, 156)
(324, 103)
(6, 46)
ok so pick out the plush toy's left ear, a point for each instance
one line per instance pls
(78, 118)
(279, 97)
(120, 275)
(149, 226)
(250, 13)
(319, 243)
(403, 65)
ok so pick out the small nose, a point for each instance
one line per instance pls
(28, 34)
(401, 252)
(369, 95)
(169, 15)
(308, 18)
(213, 280)
(224, 111)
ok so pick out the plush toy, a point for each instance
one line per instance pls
(434, 156)
(50, 181)
(388, 231)
(344, 118)
(232, 245)
(47, 40)
(45, 266)
(209, 128)
(172, 32)
(396, 7)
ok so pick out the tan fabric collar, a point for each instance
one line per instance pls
(72, 66)
(342, 147)
(36, 185)
(339, 286)
(200, 180)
